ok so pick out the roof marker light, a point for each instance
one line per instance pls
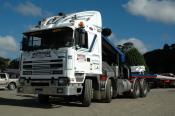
(81, 24)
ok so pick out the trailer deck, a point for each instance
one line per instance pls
(153, 76)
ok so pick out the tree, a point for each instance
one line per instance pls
(4, 63)
(133, 56)
(7, 63)
(161, 60)
(166, 47)
(14, 64)
(127, 46)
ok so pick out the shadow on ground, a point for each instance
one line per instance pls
(34, 103)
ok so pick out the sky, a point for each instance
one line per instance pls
(149, 24)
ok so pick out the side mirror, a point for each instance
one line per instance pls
(106, 32)
(77, 47)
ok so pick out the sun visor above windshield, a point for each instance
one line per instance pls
(45, 31)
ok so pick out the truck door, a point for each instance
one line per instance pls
(81, 40)
(3, 80)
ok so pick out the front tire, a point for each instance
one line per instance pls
(109, 92)
(12, 86)
(87, 93)
(143, 88)
(136, 90)
(43, 99)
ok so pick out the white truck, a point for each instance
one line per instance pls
(69, 55)
(7, 82)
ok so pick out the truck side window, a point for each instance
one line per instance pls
(25, 42)
(2, 76)
(12, 76)
(34, 42)
(81, 38)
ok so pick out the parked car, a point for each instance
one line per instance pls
(8, 81)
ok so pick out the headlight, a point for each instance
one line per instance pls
(63, 81)
(22, 80)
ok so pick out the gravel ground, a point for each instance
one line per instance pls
(159, 102)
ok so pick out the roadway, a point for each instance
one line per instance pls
(159, 102)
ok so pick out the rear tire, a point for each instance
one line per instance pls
(12, 86)
(143, 88)
(136, 90)
(43, 99)
(87, 93)
(109, 92)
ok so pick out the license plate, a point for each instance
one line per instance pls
(38, 90)
(60, 90)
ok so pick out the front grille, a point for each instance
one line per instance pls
(27, 66)
(43, 61)
(39, 84)
(43, 67)
(55, 66)
(79, 79)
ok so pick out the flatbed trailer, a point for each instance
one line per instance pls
(164, 81)
(147, 76)
(156, 80)
(162, 77)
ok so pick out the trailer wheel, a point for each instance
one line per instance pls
(87, 93)
(109, 92)
(143, 88)
(43, 99)
(136, 90)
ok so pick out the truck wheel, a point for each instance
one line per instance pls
(87, 93)
(12, 86)
(114, 95)
(143, 88)
(173, 84)
(109, 92)
(43, 99)
(136, 90)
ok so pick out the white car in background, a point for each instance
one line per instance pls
(7, 81)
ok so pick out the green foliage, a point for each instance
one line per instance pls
(134, 58)
(161, 60)
(14, 64)
(166, 47)
(4, 63)
(7, 63)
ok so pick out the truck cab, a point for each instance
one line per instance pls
(60, 52)
(69, 55)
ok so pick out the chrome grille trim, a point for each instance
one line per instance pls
(43, 67)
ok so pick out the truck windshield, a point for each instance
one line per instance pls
(48, 39)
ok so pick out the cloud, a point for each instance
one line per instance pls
(3, 54)
(142, 48)
(8, 45)
(137, 43)
(158, 10)
(114, 39)
(28, 9)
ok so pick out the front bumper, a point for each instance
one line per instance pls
(59, 90)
